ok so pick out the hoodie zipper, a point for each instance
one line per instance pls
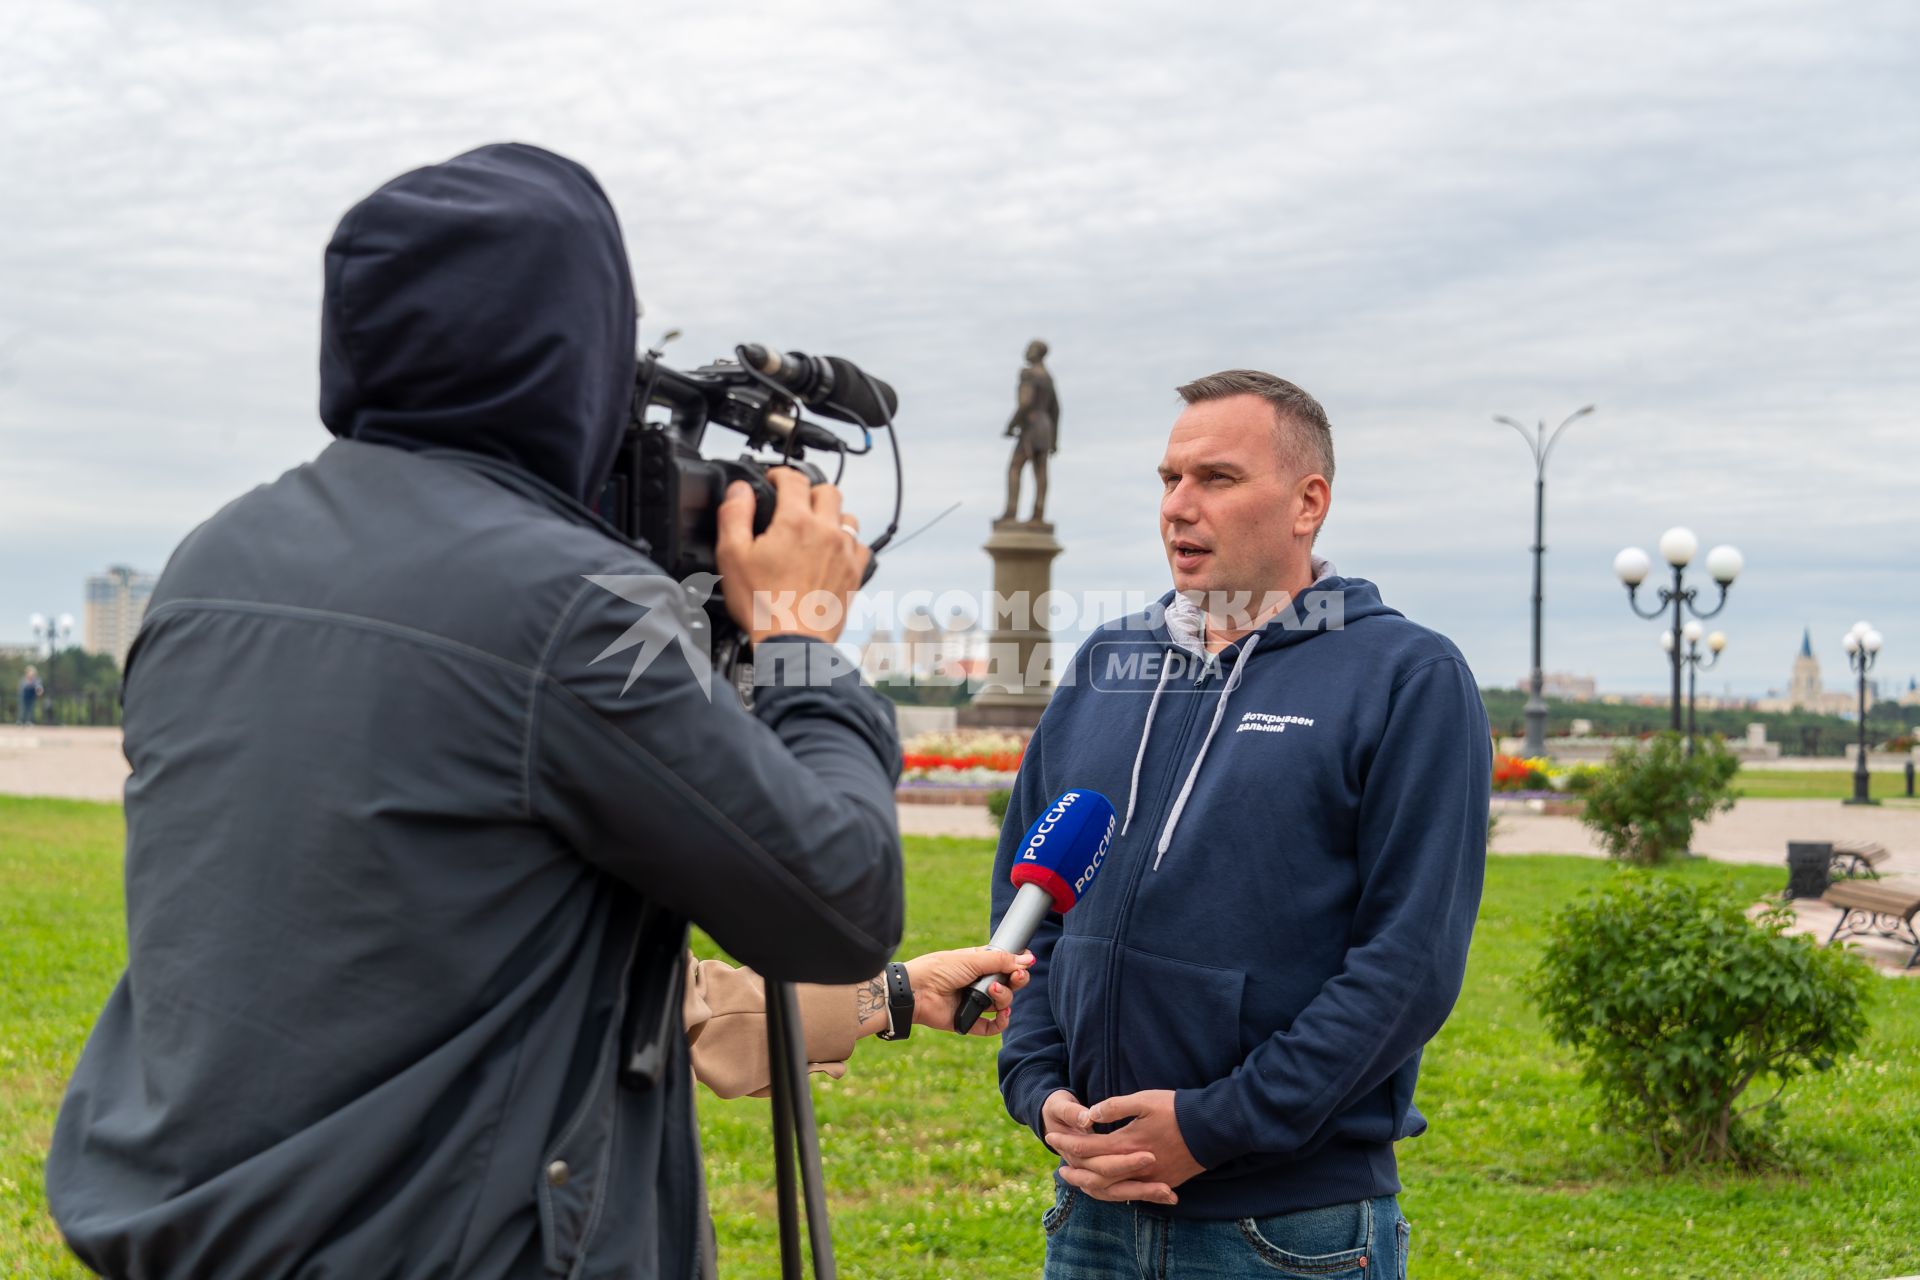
(1152, 830)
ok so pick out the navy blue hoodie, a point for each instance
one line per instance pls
(1283, 922)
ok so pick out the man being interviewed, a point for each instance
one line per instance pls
(1285, 915)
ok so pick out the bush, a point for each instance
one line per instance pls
(1579, 780)
(1644, 805)
(1675, 1002)
(997, 804)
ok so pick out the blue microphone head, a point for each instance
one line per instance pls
(1066, 845)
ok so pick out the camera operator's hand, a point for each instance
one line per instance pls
(810, 549)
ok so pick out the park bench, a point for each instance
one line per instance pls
(1858, 858)
(1883, 908)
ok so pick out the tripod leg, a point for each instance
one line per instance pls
(779, 1047)
(807, 1138)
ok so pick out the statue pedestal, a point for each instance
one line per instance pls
(1022, 553)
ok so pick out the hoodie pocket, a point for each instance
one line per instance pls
(1178, 1025)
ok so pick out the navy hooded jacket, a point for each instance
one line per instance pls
(404, 780)
(1283, 919)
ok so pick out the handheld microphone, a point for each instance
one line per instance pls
(836, 387)
(1059, 858)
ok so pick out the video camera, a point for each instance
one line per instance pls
(664, 492)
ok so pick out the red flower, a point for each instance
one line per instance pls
(998, 761)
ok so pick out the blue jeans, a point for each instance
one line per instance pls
(1090, 1239)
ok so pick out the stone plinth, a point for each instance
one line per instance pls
(1022, 553)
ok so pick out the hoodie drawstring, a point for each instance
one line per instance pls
(1133, 794)
(1219, 710)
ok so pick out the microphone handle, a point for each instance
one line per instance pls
(1017, 927)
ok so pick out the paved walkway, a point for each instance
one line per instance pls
(77, 764)
(1753, 831)
(86, 764)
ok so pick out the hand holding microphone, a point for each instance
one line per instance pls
(941, 977)
(1062, 852)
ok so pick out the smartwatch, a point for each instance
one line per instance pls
(899, 1004)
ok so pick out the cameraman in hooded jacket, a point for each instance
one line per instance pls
(400, 792)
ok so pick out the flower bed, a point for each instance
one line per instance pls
(963, 756)
(1549, 803)
(961, 766)
(1536, 775)
(1516, 773)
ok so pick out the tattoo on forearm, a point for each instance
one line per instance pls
(869, 998)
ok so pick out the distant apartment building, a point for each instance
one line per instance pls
(927, 650)
(1561, 685)
(116, 601)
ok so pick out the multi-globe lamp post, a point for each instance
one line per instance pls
(1696, 663)
(1678, 546)
(1862, 644)
(52, 632)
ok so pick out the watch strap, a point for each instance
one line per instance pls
(899, 1004)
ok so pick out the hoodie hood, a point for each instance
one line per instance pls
(1330, 604)
(1185, 623)
(484, 305)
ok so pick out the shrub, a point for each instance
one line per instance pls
(997, 804)
(1644, 805)
(1579, 780)
(1675, 1002)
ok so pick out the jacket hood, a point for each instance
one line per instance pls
(485, 305)
(1332, 603)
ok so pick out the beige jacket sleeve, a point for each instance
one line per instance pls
(725, 1012)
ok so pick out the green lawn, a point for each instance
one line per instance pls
(929, 1178)
(61, 946)
(1790, 784)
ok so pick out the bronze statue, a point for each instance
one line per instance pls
(1036, 421)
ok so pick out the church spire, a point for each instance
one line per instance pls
(1806, 642)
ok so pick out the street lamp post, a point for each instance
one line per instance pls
(54, 633)
(1677, 547)
(1696, 663)
(1863, 646)
(1541, 443)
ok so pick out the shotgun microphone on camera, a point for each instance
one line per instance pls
(828, 384)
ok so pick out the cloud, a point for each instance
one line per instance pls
(1700, 218)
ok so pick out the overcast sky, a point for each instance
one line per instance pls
(1703, 218)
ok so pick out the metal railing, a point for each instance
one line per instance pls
(91, 708)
